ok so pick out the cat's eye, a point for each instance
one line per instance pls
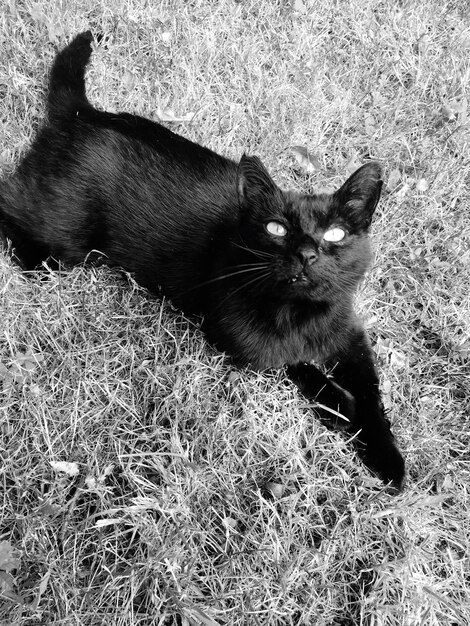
(277, 229)
(334, 235)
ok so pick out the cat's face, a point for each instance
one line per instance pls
(308, 247)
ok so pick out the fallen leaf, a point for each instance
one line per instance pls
(128, 80)
(456, 108)
(382, 347)
(394, 179)
(416, 253)
(422, 184)
(447, 113)
(378, 99)
(71, 469)
(166, 114)
(42, 588)
(307, 160)
(448, 482)
(229, 522)
(50, 510)
(20, 369)
(8, 559)
(5, 376)
(398, 359)
(401, 193)
(370, 124)
(6, 581)
(37, 14)
(35, 390)
(233, 379)
(53, 31)
(371, 322)
(197, 615)
(353, 163)
(275, 489)
(464, 41)
(299, 6)
(463, 350)
(434, 500)
(110, 521)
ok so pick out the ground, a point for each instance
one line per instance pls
(144, 479)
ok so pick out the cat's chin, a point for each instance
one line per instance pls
(301, 289)
(306, 293)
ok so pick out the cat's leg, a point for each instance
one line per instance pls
(336, 407)
(25, 251)
(354, 392)
(3, 241)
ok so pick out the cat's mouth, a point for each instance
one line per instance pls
(301, 278)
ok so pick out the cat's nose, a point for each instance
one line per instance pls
(307, 255)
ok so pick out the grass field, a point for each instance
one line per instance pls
(144, 481)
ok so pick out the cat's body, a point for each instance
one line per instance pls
(273, 273)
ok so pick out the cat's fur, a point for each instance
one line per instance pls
(194, 224)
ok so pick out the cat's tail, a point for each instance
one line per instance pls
(67, 79)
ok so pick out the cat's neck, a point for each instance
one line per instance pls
(279, 314)
(265, 333)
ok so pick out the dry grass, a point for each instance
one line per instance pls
(197, 494)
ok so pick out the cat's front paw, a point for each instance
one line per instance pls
(385, 460)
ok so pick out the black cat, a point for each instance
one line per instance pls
(272, 272)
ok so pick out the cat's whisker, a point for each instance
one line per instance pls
(258, 264)
(252, 267)
(258, 253)
(263, 277)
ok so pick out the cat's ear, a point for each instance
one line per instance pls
(255, 186)
(359, 195)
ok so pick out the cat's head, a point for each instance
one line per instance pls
(309, 247)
